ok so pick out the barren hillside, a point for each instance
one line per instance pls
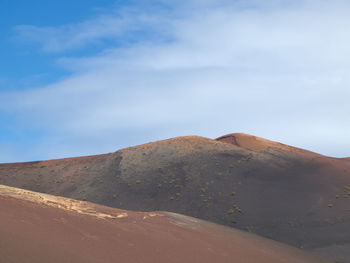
(277, 191)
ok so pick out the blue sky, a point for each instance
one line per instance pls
(26, 65)
(88, 77)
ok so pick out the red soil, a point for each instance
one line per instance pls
(38, 164)
(254, 143)
(35, 231)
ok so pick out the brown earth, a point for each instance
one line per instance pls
(37, 228)
(277, 191)
(254, 143)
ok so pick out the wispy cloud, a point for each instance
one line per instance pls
(280, 72)
(120, 26)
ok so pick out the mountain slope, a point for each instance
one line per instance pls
(53, 229)
(277, 191)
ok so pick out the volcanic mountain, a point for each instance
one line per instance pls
(277, 191)
(37, 228)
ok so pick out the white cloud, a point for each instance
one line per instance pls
(273, 71)
(119, 25)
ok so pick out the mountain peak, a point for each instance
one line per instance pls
(254, 143)
(249, 142)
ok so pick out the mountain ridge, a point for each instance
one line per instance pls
(296, 197)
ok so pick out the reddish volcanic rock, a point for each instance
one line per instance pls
(254, 143)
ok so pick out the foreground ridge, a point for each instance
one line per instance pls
(53, 229)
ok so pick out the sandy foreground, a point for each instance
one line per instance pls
(43, 228)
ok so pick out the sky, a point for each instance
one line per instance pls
(88, 77)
